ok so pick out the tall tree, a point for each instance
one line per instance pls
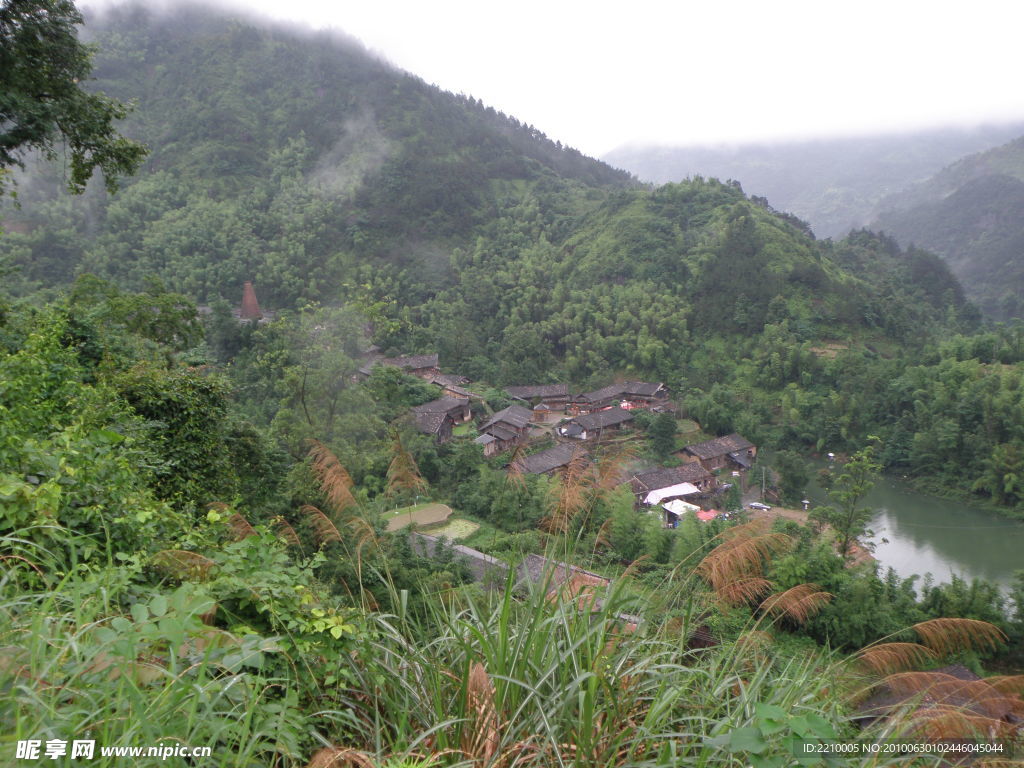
(794, 475)
(846, 514)
(403, 474)
(42, 102)
(662, 434)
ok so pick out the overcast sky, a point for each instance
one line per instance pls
(597, 75)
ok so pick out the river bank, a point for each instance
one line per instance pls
(917, 533)
(859, 553)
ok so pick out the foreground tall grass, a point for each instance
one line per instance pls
(74, 666)
(542, 683)
(515, 677)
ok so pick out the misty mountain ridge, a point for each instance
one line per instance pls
(972, 214)
(834, 184)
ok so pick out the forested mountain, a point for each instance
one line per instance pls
(425, 222)
(282, 157)
(972, 214)
(834, 184)
(303, 164)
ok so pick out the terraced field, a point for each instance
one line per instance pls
(422, 515)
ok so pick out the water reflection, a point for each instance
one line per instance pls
(922, 534)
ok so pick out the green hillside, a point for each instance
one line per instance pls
(971, 214)
(282, 157)
(436, 224)
(834, 184)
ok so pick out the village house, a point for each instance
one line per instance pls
(592, 425)
(452, 385)
(731, 450)
(627, 395)
(653, 481)
(438, 417)
(556, 394)
(505, 429)
(549, 461)
(437, 424)
(549, 401)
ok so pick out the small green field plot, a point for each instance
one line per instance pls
(464, 430)
(421, 514)
(688, 430)
(459, 528)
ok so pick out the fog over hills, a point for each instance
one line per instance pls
(972, 214)
(833, 184)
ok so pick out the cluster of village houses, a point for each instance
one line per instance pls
(548, 411)
(575, 422)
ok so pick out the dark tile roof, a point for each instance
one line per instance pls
(599, 395)
(663, 477)
(502, 432)
(720, 446)
(572, 429)
(625, 389)
(453, 384)
(552, 458)
(515, 415)
(741, 458)
(460, 392)
(405, 362)
(601, 419)
(441, 405)
(543, 391)
(449, 380)
(643, 388)
(431, 422)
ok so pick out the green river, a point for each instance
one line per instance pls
(915, 533)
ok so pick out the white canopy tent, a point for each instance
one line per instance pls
(679, 507)
(670, 492)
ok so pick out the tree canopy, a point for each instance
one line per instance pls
(42, 102)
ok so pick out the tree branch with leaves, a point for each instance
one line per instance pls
(846, 514)
(43, 104)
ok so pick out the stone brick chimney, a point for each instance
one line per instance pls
(250, 307)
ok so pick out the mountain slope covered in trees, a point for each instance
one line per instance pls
(303, 164)
(971, 213)
(834, 184)
(282, 157)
